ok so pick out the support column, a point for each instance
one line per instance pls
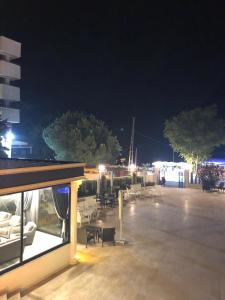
(73, 220)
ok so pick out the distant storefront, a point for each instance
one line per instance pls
(175, 174)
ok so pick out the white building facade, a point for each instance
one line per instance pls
(9, 73)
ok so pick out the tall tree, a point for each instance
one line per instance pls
(33, 120)
(195, 134)
(77, 136)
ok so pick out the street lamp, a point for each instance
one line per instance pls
(132, 168)
(7, 141)
(10, 136)
(101, 169)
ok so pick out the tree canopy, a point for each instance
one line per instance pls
(31, 128)
(196, 133)
(76, 136)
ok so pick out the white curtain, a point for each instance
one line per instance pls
(31, 206)
(32, 213)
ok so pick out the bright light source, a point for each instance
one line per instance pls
(10, 136)
(132, 167)
(101, 169)
(166, 164)
(7, 140)
(132, 210)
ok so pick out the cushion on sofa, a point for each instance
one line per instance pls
(5, 232)
(30, 226)
(15, 220)
(4, 216)
(16, 229)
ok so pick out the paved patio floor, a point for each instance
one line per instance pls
(176, 251)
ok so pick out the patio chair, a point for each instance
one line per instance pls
(102, 200)
(82, 217)
(107, 235)
(90, 235)
(221, 186)
(112, 200)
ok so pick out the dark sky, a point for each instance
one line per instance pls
(131, 58)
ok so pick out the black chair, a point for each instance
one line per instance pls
(90, 234)
(111, 200)
(107, 235)
(98, 198)
(221, 186)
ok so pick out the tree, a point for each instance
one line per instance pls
(33, 135)
(80, 137)
(4, 127)
(33, 121)
(195, 134)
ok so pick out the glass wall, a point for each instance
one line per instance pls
(10, 230)
(45, 223)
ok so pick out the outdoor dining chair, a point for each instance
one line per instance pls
(90, 235)
(107, 235)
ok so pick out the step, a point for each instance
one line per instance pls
(14, 297)
(3, 296)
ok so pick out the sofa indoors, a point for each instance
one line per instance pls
(29, 232)
(5, 218)
(10, 230)
(10, 249)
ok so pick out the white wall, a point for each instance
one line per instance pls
(31, 273)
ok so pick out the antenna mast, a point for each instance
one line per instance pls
(131, 152)
(136, 157)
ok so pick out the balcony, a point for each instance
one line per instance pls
(10, 48)
(9, 71)
(10, 93)
(11, 115)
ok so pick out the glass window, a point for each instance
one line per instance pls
(44, 226)
(46, 213)
(10, 230)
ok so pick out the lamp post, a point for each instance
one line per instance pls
(111, 181)
(101, 170)
(132, 169)
(7, 142)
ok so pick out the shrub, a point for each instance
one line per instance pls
(210, 175)
(89, 187)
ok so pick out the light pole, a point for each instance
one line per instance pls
(111, 181)
(7, 142)
(132, 168)
(101, 170)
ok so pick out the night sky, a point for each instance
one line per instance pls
(131, 58)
